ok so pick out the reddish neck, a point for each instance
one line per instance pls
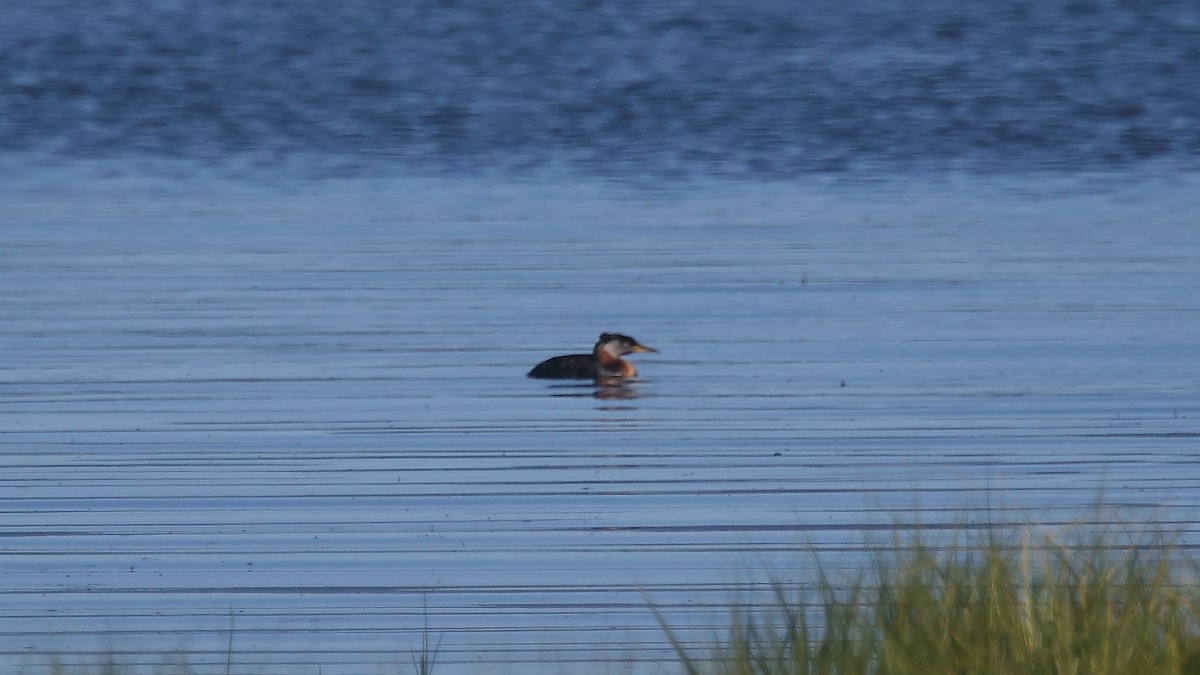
(603, 356)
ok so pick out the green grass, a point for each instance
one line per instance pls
(989, 606)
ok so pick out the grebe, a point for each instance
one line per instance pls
(604, 362)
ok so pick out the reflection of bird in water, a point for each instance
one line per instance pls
(604, 364)
(608, 390)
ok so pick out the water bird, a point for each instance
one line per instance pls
(604, 363)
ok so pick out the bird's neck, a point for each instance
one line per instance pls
(604, 356)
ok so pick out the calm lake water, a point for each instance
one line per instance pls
(271, 276)
(299, 420)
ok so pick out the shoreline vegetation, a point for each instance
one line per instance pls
(997, 601)
(988, 601)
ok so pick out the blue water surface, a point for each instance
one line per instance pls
(271, 275)
(762, 88)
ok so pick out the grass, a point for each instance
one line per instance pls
(991, 606)
(425, 658)
(989, 602)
